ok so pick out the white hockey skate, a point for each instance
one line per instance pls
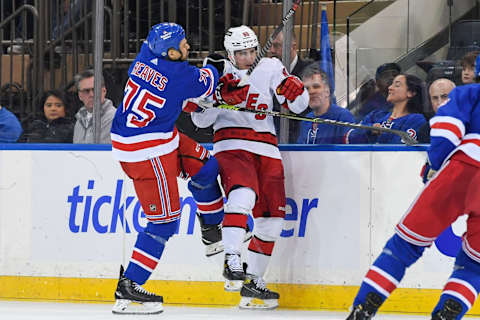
(131, 298)
(255, 295)
(233, 273)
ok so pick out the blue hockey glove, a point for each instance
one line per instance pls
(427, 172)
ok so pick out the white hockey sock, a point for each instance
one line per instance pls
(233, 239)
(257, 263)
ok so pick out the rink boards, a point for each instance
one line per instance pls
(69, 218)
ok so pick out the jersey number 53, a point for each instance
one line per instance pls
(141, 105)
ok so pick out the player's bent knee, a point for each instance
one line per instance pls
(160, 231)
(206, 175)
(403, 251)
(268, 229)
(463, 261)
(241, 200)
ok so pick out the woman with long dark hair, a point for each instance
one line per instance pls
(407, 95)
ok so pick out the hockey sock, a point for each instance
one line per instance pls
(237, 209)
(233, 232)
(463, 285)
(207, 194)
(388, 269)
(148, 249)
(260, 249)
(258, 256)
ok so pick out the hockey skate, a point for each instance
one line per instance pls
(367, 310)
(233, 272)
(256, 295)
(211, 237)
(451, 309)
(129, 291)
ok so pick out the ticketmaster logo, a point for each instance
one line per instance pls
(115, 212)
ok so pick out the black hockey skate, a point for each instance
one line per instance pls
(451, 309)
(129, 291)
(255, 288)
(366, 311)
(233, 272)
(211, 237)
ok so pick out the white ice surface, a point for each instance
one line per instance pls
(23, 310)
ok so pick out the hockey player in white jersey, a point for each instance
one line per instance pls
(251, 168)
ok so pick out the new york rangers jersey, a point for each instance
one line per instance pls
(409, 123)
(456, 127)
(248, 131)
(144, 124)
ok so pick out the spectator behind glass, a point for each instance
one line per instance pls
(468, 67)
(438, 92)
(316, 82)
(83, 131)
(407, 94)
(297, 64)
(10, 128)
(53, 126)
(373, 94)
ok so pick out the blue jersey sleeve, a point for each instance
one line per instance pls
(10, 128)
(203, 81)
(449, 124)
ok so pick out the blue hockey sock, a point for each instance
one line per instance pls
(463, 285)
(388, 269)
(207, 194)
(148, 250)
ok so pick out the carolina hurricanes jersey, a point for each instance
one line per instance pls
(456, 127)
(248, 131)
(144, 124)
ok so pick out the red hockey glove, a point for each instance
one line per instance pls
(227, 91)
(190, 106)
(291, 87)
(195, 105)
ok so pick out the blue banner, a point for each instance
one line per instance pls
(326, 53)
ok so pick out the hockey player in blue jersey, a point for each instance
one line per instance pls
(407, 96)
(153, 154)
(451, 192)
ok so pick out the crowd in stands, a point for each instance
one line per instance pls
(393, 99)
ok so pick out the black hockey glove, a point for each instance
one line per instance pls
(216, 60)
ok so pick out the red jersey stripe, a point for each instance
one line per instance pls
(244, 134)
(143, 144)
(448, 126)
(460, 289)
(236, 220)
(211, 207)
(379, 279)
(144, 259)
(260, 246)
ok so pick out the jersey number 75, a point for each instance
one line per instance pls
(141, 105)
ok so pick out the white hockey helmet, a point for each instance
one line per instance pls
(239, 38)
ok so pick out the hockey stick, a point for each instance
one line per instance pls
(269, 42)
(404, 135)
